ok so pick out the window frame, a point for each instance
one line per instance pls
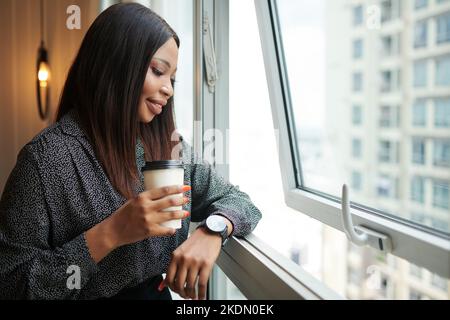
(272, 275)
(420, 245)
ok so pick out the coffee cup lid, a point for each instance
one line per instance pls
(163, 164)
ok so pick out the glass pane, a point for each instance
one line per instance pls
(335, 64)
(442, 113)
(420, 4)
(443, 71)
(354, 272)
(443, 29)
(420, 34)
(228, 289)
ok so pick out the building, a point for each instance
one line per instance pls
(388, 107)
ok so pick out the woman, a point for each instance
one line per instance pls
(75, 221)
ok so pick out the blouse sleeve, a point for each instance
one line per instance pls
(29, 266)
(211, 194)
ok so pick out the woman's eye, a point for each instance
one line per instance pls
(157, 72)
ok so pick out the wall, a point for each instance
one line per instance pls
(20, 38)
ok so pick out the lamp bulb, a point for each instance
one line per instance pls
(43, 74)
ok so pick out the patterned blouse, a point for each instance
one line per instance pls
(58, 190)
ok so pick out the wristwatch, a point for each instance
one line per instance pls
(216, 224)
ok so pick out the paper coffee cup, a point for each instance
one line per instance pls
(165, 173)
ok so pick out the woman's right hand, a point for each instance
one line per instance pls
(138, 219)
(141, 217)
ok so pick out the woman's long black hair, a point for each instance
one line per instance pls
(105, 83)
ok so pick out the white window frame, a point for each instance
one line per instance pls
(419, 245)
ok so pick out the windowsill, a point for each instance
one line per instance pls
(260, 272)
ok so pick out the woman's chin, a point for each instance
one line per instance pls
(147, 118)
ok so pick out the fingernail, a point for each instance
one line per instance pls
(161, 286)
(186, 199)
(187, 214)
(186, 188)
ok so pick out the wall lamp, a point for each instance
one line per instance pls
(43, 74)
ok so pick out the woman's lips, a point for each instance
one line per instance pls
(154, 107)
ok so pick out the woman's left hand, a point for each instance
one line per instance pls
(193, 259)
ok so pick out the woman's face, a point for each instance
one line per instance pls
(158, 86)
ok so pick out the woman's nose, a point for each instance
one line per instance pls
(168, 91)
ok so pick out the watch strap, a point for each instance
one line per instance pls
(223, 234)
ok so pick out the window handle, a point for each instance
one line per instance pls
(360, 235)
(209, 54)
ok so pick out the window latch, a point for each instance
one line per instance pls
(360, 235)
(210, 55)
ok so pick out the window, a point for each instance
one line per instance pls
(442, 113)
(438, 221)
(301, 241)
(443, 71)
(389, 117)
(387, 186)
(358, 16)
(233, 292)
(357, 81)
(356, 180)
(387, 151)
(443, 28)
(441, 155)
(386, 81)
(418, 189)
(296, 255)
(419, 117)
(354, 276)
(385, 286)
(386, 43)
(320, 84)
(357, 49)
(386, 10)
(415, 271)
(390, 45)
(356, 115)
(420, 74)
(421, 34)
(415, 295)
(418, 217)
(441, 194)
(418, 151)
(356, 148)
(439, 224)
(439, 282)
(397, 79)
(419, 4)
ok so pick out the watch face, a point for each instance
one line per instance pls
(216, 223)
